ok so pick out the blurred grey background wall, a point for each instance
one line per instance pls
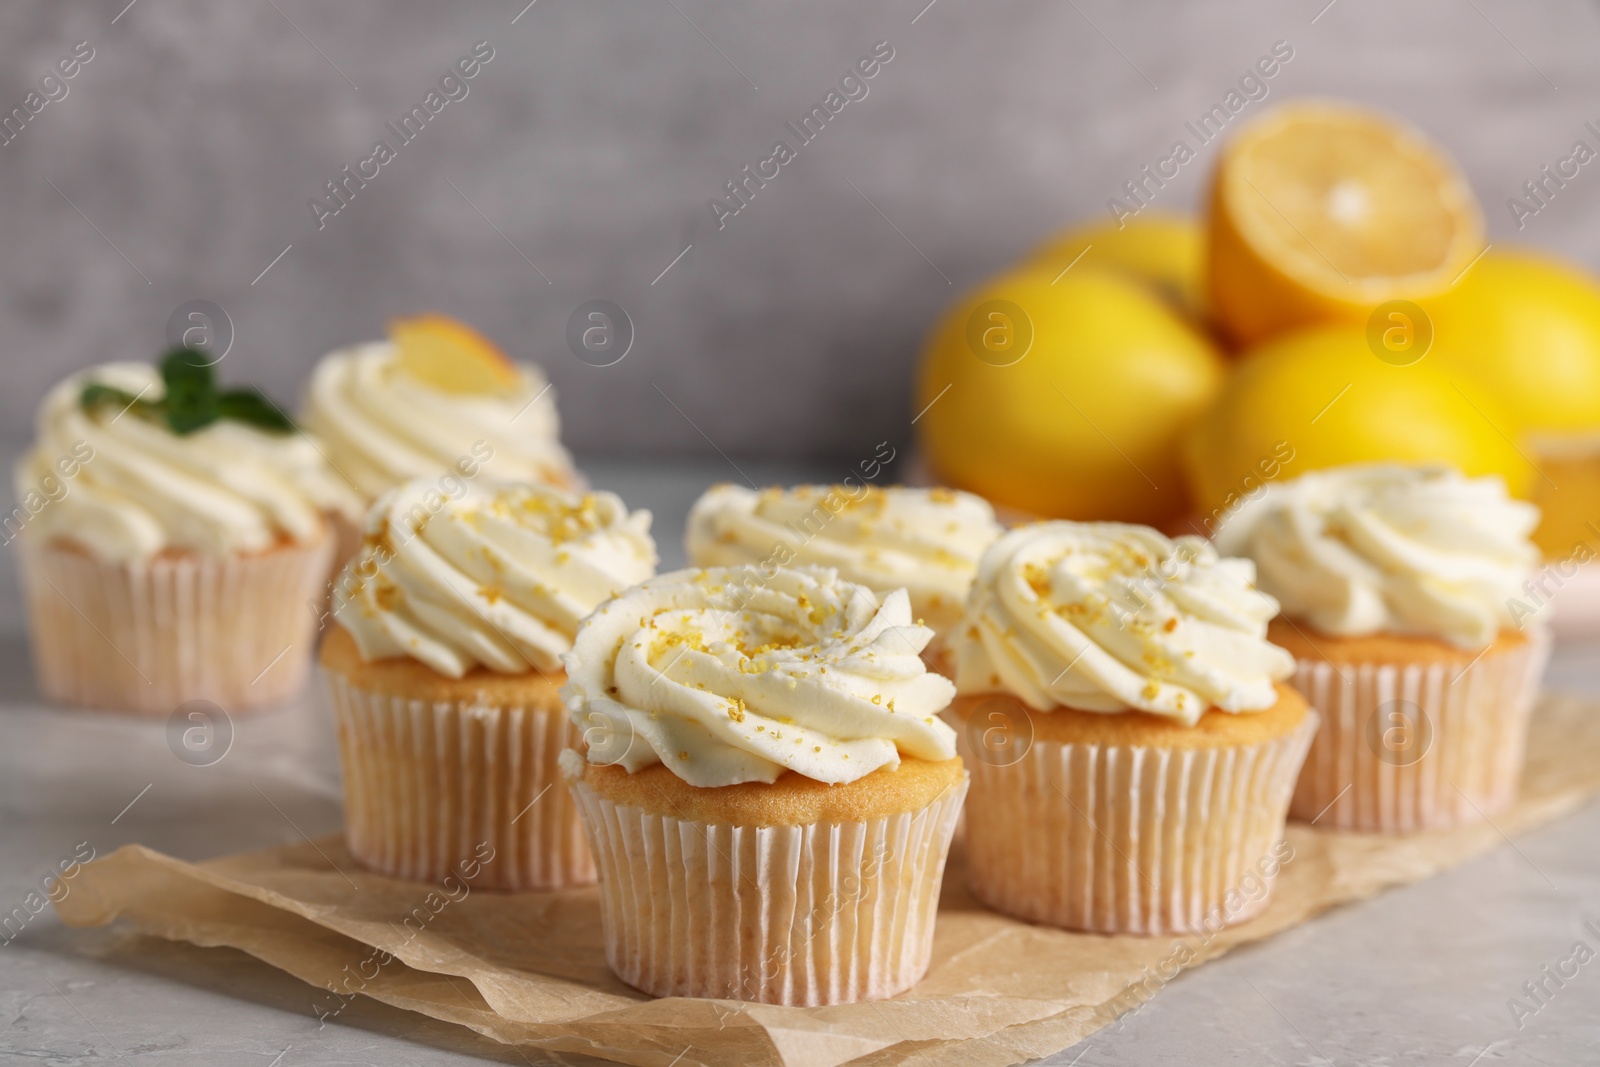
(180, 163)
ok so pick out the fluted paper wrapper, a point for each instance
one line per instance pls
(798, 915)
(529, 969)
(1121, 839)
(429, 784)
(1417, 747)
(150, 635)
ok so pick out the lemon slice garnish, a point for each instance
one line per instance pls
(451, 356)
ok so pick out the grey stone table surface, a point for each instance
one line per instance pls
(1418, 975)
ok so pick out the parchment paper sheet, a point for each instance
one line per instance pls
(528, 968)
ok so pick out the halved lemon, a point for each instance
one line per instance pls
(1321, 211)
(451, 356)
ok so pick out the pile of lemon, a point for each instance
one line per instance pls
(1338, 303)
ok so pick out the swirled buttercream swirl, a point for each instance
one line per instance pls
(381, 426)
(1102, 616)
(726, 677)
(499, 576)
(136, 488)
(925, 541)
(1389, 548)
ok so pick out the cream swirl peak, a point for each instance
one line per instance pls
(383, 426)
(499, 576)
(226, 487)
(926, 541)
(1389, 548)
(1103, 616)
(726, 676)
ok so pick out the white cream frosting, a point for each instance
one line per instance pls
(1108, 617)
(726, 676)
(226, 488)
(925, 541)
(499, 575)
(1378, 548)
(382, 426)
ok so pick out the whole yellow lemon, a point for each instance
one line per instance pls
(1527, 328)
(1065, 396)
(1163, 250)
(1321, 398)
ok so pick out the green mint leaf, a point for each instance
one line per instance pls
(96, 395)
(249, 405)
(191, 401)
(183, 420)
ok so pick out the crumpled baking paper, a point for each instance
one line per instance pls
(529, 969)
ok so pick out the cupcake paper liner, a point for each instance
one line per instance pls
(427, 783)
(797, 915)
(1420, 746)
(150, 635)
(1123, 839)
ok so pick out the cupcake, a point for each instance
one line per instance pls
(925, 541)
(1132, 752)
(172, 535)
(1404, 592)
(767, 787)
(445, 669)
(434, 399)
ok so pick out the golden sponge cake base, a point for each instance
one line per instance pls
(793, 800)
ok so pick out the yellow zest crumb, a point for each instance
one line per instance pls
(387, 596)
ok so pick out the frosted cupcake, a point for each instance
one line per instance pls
(446, 672)
(1400, 589)
(435, 395)
(767, 787)
(925, 541)
(1132, 754)
(172, 535)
